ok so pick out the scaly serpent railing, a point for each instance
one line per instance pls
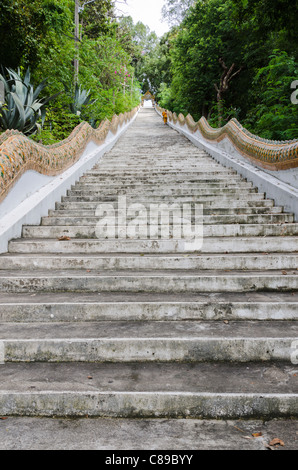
(19, 153)
(268, 154)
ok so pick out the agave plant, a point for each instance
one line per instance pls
(80, 98)
(22, 108)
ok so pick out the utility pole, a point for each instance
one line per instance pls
(77, 27)
(78, 10)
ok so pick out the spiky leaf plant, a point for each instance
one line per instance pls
(23, 107)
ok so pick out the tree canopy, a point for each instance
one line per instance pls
(220, 59)
(256, 41)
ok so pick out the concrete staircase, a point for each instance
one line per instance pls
(141, 328)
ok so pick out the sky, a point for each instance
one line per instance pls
(146, 11)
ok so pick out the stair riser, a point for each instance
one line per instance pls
(148, 405)
(218, 219)
(209, 203)
(158, 284)
(261, 262)
(153, 233)
(159, 179)
(135, 172)
(213, 211)
(217, 311)
(168, 199)
(157, 193)
(148, 350)
(160, 188)
(225, 245)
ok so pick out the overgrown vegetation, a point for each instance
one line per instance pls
(254, 40)
(220, 59)
(40, 34)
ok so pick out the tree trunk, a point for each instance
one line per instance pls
(225, 80)
(220, 112)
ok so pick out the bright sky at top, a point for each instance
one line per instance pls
(146, 11)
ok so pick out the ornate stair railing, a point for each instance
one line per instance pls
(268, 154)
(19, 153)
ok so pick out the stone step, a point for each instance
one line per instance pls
(85, 183)
(155, 179)
(210, 245)
(166, 199)
(243, 261)
(207, 211)
(159, 193)
(215, 230)
(147, 281)
(157, 188)
(203, 390)
(215, 202)
(79, 307)
(157, 166)
(145, 341)
(129, 434)
(149, 172)
(206, 219)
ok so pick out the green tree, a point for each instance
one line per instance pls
(207, 34)
(25, 25)
(97, 18)
(274, 116)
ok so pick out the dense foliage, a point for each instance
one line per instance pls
(41, 34)
(234, 58)
(220, 59)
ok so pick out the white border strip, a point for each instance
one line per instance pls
(30, 211)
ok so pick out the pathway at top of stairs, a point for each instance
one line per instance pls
(145, 328)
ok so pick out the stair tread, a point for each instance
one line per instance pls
(133, 434)
(148, 330)
(137, 273)
(257, 378)
(168, 256)
(125, 298)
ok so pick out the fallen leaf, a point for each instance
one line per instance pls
(89, 377)
(226, 322)
(3, 417)
(257, 434)
(64, 237)
(268, 446)
(276, 441)
(284, 272)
